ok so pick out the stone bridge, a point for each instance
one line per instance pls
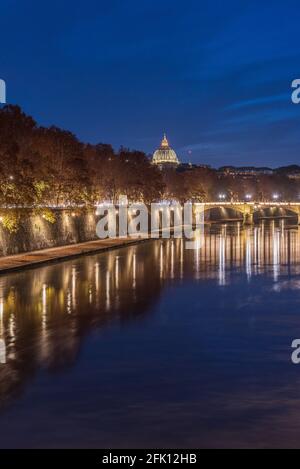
(248, 209)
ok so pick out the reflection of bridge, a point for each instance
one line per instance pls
(248, 209)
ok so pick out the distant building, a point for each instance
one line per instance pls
(292, 171)
(245, 172)
(295, 176)
(191, 166)
(165, 157)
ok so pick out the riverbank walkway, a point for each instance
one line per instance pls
(36, 258)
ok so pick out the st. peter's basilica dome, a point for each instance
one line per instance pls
(165, 156)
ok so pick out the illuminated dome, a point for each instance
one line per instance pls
(165, 156)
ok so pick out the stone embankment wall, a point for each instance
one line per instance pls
(35, 232)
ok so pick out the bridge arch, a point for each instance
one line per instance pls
(223, 211)
(275, 212)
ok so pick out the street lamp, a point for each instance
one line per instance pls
(248, 196)
(222, 196)
(275, 196)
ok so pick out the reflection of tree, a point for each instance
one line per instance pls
(47, 312)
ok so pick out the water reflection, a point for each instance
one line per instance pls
(75, 295)
(46, 313)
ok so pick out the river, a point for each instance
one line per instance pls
(155, 345)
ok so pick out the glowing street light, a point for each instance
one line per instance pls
(275, 196)
(222, 196)
(248, 196)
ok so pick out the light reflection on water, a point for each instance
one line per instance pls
(193, 342)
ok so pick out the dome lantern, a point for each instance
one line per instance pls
(164, 142)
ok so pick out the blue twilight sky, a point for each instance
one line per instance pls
(215, 75)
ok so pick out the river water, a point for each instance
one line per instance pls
(156, 346)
